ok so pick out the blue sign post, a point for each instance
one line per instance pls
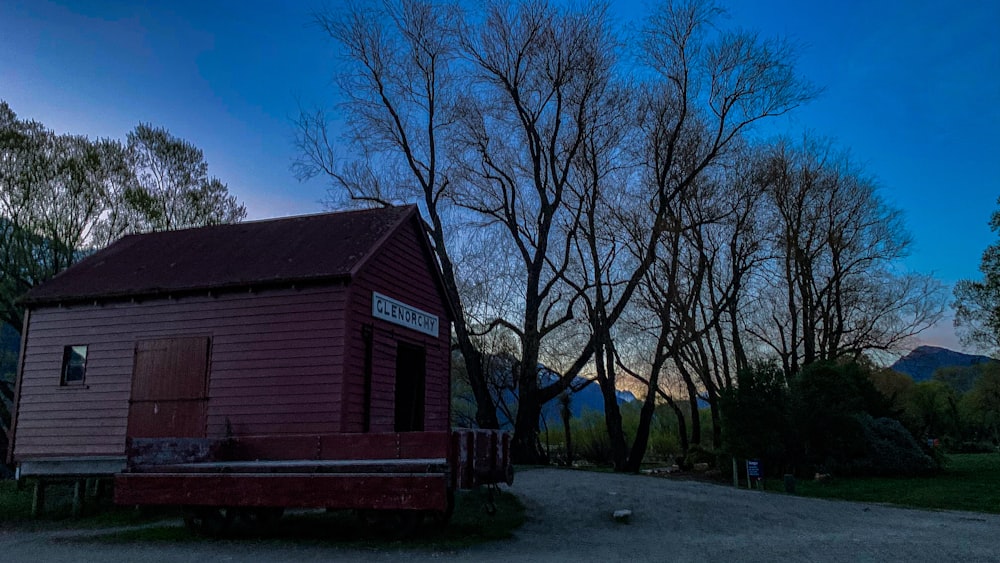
(755, 472)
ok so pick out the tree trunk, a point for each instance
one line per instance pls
(525, 445)
(695, 416)
(604, 363)
(566, 413)
(634, 463)
(486, 411)
(692, 393)
(681, 425)
(713, 402)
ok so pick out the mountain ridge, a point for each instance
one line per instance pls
(923, 361)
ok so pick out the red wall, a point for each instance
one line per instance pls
(276, 358)
(282, 361)
(401, 269)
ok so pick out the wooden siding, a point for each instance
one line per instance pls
(275, 367)
(401, 269)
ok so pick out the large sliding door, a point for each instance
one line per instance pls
(169, 388)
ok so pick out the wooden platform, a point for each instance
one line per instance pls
(378, 471)
(394, 491)
(437, 465)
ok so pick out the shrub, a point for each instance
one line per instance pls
(591, 441)
(590, 438)
(890, 449)
(755, 416)
(827, 399)
(698, 454)
(663, 445)
(829, 418)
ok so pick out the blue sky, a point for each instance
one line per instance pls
(912, 88)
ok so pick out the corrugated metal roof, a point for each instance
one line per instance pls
(326, 246)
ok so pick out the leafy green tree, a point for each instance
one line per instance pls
(895, 386)
(932, 411)
(982, 404)
(755, 414)
(960, 378)
(62, 196)
(53, 201)
(827, 400)
(172, 189)
(977, 302)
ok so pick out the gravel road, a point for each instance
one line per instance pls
(570, 520)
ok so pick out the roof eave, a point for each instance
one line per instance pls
(160, 293)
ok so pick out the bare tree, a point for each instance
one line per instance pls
(707, 89)
(399, 83)
(541, 72)
(836, 245)
(732, 251)
(519, 119)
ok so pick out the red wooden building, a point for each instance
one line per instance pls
(329, 330)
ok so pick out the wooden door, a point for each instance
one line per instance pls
(169, 388)
(411, 375)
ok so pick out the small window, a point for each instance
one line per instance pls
(74, 365)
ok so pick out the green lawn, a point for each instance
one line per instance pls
(968, 482)
(15, 509)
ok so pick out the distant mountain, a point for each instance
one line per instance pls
(588, 397)
(922, 362)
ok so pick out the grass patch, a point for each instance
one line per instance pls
(470, 524)
(968, 482)
(15, 504)
(15, 509)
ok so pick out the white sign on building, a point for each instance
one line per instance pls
(397, 312)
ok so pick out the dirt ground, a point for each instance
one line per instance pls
(569, 519)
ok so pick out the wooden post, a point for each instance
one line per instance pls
(736, 474)
(98, 490)
(79, 489)
(38, 499)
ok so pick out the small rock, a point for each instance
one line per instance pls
(701, 467)
(622, 515)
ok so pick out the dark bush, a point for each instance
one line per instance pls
(827, 399)
(829, 418)
(755, 415)
(890, 449)
(698, 454)
(590, 438)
